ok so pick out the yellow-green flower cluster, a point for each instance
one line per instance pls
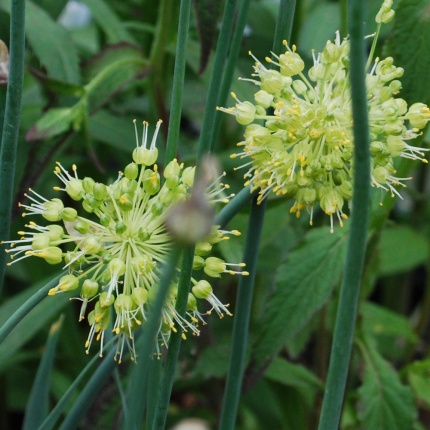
(113, 253)
(305, 147)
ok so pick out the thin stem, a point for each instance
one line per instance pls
(139, 377)
(246, 285)
(350, 288)
(11, 121)
(89, 393)
(234, 206)
(178, 82)
(206, 135)
(242, 317)
(61, 405)
(231, 65)
(175, 341)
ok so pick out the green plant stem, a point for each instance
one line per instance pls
(231, 65)
(34, 300)
(284, 24)
(206, 140)
(350, 288)
(89, 393)
(136, 394)
(242, 317)
(236, 369)
(38, 402)
(175, 341)
(9, 140)
(61, 405)
(178, 82)
(234, 206)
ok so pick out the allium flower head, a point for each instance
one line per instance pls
(114, 245)
(305, 147)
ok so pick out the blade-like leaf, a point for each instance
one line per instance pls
(105, 17)
(34, 321)
(52, 45)
(384, 402)
(207, 13)
(410, 47)
(303, 284)
(38, 402)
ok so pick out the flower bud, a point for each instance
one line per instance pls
(131, 171)
(89, 289)
(202, 290)
(100, 191)
(263, 98)
(88, 184)
(69, 214)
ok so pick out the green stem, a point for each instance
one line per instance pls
(231, 65)
(175, 341)
(12, 113)
(136, 395)
(233, 387)
(350, 288)
(89, 393)
(178, 82)
(34, 300)
(242, 317)
(206, 136)
(234, 206)
(61, 405)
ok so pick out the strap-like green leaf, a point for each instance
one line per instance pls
(38, 402)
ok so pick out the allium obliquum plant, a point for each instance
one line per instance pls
(305, 147)
(115, 256)
(136, 243)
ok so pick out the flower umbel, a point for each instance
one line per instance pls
(305, 147)
(114, 252)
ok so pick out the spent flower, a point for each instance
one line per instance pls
(114, 245)
(305, 147)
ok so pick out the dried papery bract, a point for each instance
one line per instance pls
(4, 63)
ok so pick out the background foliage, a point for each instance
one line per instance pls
(84, 83)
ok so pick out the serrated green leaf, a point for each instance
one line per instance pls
(384, 402)
(37, 406)
(418, 376)
(52, 45)
(410, 47)
(293, 375)
(303, 284)
(379, 321)
(401, 249)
